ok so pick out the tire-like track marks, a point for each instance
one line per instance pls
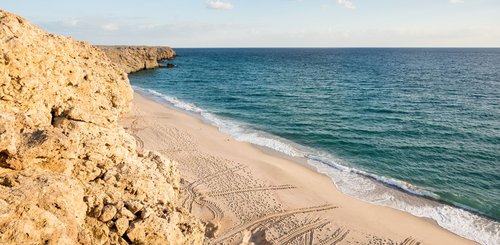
(213, 176)
(190, 189)
(133, 131)
(250, 225)
(336, 237)
(217, 213)
(410, 241)
(263, 188)
(299, 231)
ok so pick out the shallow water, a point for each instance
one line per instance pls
(426, 121)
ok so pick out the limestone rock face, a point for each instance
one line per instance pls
(136, 58)
(68, 173)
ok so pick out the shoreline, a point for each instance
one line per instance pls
(361, 219)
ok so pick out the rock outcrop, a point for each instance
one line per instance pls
(68, 172)
(136, 58)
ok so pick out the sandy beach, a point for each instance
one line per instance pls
(250, 195)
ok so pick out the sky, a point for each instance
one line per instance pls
(269, 23)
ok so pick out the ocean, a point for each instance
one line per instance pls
(413, 129)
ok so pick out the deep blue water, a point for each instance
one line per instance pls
(426, 117)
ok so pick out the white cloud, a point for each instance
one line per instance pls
(347, 3)
(201, 34)
(71, 22)
(109, 27)
(456, 1)
(219, 4)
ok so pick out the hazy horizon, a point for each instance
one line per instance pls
(271, 24)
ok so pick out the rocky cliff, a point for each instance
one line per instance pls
(135, 58)
(68, 173)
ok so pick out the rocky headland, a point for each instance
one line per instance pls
(136, 58)
(68, 172)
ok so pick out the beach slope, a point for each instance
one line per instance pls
(254, 195)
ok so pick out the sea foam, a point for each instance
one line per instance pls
(380, 190)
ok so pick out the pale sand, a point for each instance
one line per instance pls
(242, 188)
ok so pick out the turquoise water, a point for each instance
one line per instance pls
(424, 121)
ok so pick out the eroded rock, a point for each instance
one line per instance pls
(136, 58)
(121, 225)
(108, 213)
(68, 173)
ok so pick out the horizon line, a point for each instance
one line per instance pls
(354, 47)
(309, 47)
